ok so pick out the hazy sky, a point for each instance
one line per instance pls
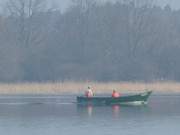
(174, 3)
(63, 4)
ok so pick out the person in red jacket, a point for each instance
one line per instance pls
(115, 94)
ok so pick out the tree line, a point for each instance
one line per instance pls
(122, 41)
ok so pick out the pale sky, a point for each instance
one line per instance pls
(64, 4)
(173, 3)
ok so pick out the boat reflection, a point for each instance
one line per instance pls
(116, 111)
(89, 110)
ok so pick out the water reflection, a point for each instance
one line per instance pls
(116, 110)
(90, 110)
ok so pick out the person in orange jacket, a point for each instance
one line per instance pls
(115, 94)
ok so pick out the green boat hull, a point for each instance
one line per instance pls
(137, 99)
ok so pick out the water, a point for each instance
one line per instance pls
(59, 115)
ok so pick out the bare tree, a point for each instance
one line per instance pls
(84, 4)
(137, 24)
(85, 8)
(25, 12)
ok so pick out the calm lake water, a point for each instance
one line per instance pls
(59, 115)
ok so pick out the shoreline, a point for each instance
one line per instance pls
(69, 88)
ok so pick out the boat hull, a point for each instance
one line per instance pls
(138, 99)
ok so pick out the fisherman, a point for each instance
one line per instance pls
(89, 92)
(115, 94)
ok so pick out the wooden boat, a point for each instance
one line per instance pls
(136, 99)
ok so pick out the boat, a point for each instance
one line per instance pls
(133, 99)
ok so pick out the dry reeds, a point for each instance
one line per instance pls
(71, 87)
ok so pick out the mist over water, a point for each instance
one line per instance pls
(59, 115)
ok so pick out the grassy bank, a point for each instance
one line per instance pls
(79, 87)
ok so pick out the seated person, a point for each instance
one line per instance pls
(89, 93)
(115, 94)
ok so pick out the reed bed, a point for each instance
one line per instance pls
(71, 87)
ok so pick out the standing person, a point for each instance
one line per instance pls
(115, 94)
(89, 92)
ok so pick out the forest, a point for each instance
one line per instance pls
(121, 41)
